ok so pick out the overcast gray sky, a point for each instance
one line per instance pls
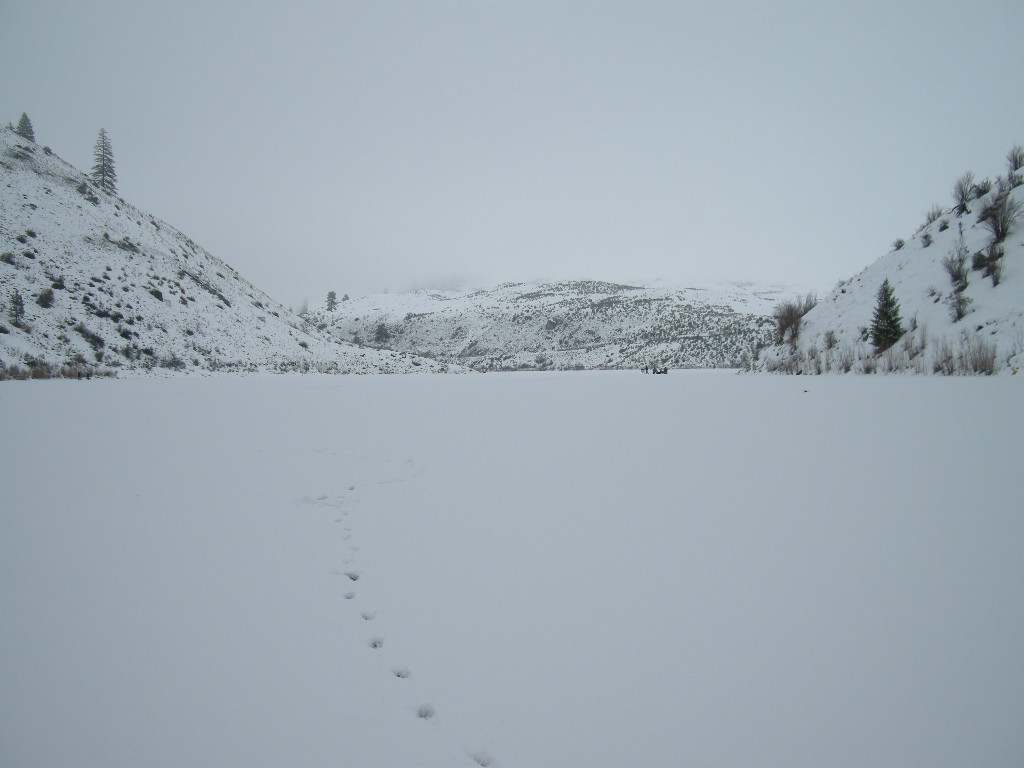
(364, 146)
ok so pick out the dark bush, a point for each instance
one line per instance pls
(956, 265)
(963, 189)
(1001, 216)
(45, 298)
(958, 303)
(789, 316)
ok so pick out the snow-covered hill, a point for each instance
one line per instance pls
(967, 323)
(104, 285)
(565, 325)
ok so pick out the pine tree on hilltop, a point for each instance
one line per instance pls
(24, 128)
(103, 172)
(886, 324)
(332, 301)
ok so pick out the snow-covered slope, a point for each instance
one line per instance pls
(565, 325)
(988, 337)
(105, 285)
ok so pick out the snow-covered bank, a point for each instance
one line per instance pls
(574, 569)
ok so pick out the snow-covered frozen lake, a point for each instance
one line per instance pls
(559, 569)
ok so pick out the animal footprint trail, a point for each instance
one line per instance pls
(352, 571)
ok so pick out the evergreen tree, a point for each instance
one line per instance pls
(24, 128)
(17, 307)
(886, 324)
(103, 172)
(332, 301)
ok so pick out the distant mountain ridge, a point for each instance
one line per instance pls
(101, 284)
(583, 324)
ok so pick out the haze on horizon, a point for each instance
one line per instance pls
(365, 146)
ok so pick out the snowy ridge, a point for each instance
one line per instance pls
(565, 325)
(106, 285)
(988, 338)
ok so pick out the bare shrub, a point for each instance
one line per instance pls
(982, 188)
(995, 271)
(913, 345)
(844, 360)
(1016, 349)
(958, 303)
(788, 316)
(977, 355)
(44, 370)
(956, 264)
(898, 244)
(1015, 158)
(1001, 216)
(926, 239)
(814, 362)
(830, 339)
(933, 214)
(963, 190)
(944, 360)
(786, 364)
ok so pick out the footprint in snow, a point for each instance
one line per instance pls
(368, 616)
(376, 642)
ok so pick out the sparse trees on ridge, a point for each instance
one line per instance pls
(332, 301)
(886, 324)
(25, 129)
(103, 172)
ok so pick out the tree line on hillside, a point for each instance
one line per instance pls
(103, 172)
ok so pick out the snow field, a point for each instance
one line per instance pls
(593, 569)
